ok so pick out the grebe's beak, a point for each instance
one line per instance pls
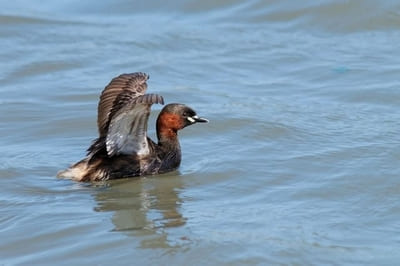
(196, 119)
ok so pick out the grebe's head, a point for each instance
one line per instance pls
(175, 116)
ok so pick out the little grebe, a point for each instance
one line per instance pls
(123, 148)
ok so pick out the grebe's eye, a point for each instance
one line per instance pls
(185, 114)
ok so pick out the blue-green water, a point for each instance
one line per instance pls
(298, 166)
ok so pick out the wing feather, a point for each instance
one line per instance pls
(127, 132)
(117, 93)
(123, 112)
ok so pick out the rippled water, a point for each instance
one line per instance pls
(299, 164)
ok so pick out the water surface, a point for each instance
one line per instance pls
(299, 164)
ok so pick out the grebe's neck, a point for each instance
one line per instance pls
(168, 125)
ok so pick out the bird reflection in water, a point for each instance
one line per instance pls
(144, 207)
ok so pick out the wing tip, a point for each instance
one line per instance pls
(150, 98)
(142, 75)
(159, 99)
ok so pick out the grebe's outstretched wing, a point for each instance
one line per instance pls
(120, 89)
(123, 112)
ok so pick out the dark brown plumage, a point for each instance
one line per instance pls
(123, 148)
